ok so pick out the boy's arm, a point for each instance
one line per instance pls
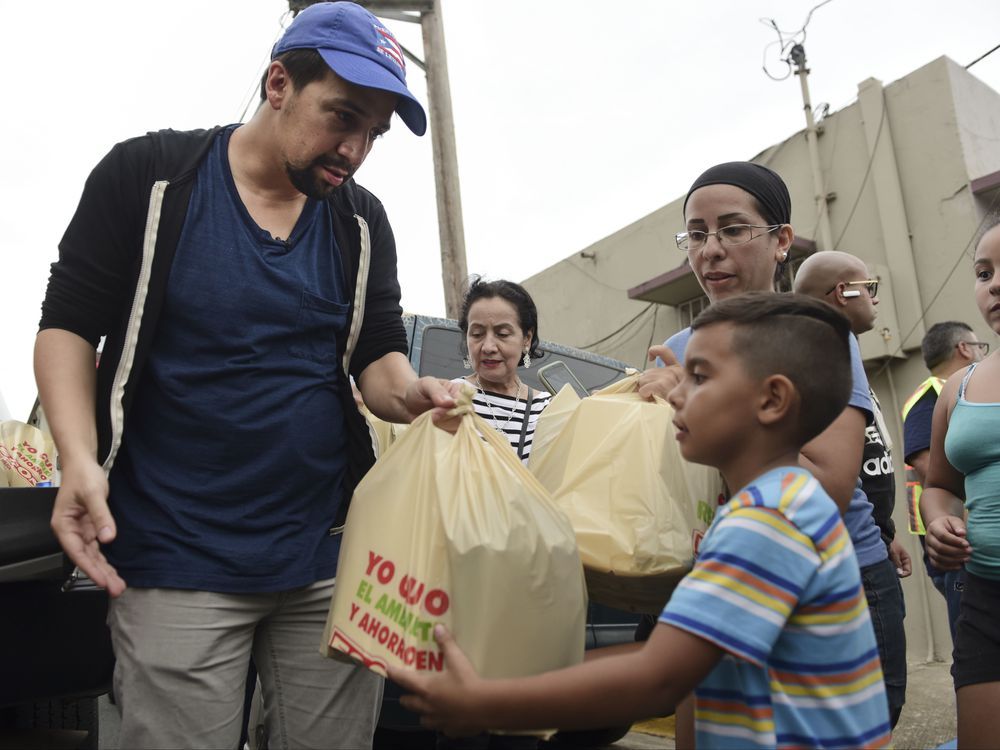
(619, 649)
(616, 689)
(684, 724)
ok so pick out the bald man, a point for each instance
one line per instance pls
(843, 282)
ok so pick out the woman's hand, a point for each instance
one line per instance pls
(659, 381)
(947, 546)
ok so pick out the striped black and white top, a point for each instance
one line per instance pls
(495, 408)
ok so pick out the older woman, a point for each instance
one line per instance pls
(500, 323)
(737, 238)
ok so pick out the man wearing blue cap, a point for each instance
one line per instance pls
(237, 276)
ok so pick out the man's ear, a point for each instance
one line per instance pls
(277, 85)
(841, 293)
(778, 396)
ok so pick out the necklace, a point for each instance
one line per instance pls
(497, 423)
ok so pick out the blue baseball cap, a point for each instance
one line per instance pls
(358, 48)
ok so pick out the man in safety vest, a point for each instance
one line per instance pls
(947, 347)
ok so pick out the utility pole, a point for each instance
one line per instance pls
(451, 231)
(798, 55)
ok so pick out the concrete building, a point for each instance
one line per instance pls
(911, 170)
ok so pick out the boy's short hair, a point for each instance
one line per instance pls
(796, 336)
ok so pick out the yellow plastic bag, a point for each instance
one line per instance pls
(614, 467)
(27, 455)
(453, 529)
(385, 433)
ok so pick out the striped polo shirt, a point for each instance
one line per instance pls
(777, 587)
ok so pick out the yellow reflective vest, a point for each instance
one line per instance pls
(913, 486)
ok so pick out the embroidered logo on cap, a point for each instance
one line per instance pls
(388, 46)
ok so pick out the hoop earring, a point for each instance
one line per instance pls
(466, 363)
(527, 359)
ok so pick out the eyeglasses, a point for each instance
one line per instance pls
(984, 345)
(734, 234)
(871, 285)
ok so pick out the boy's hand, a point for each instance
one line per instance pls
(445, 701)
(659, 381)
(947, 546)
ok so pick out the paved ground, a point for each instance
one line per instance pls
(928, 719)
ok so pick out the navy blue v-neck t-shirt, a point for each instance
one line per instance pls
(231, 467)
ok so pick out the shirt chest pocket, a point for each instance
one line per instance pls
(321, 323)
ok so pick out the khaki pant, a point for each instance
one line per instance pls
(182, 659)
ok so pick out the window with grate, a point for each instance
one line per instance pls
(688, 311)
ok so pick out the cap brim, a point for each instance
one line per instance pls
(361, 71)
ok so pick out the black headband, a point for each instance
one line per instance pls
(762, 183)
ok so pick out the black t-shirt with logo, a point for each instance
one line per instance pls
(877, 478)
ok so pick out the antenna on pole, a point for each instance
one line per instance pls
(794, 43)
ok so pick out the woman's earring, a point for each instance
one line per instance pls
(527, 359)
(466, 363)
(784, 257)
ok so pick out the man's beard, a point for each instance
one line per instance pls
(307, 182)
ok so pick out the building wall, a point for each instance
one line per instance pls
(898, 164)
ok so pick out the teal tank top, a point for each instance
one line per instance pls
(972, 446)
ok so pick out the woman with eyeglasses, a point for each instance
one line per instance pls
(964, 477)
(737, 239)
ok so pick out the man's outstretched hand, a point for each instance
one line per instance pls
(82, 521)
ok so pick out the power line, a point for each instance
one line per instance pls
(623, 339)
(793, 38)
(652, 331)
(254, 91)
(592, 277)
(614, 333)
(989, 214)
(864, 180)
(982, 57)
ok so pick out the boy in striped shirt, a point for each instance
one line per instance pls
(770, 630)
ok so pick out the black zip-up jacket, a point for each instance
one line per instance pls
(115, 258)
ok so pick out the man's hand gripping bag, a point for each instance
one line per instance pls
(613, 465)
(452, 529)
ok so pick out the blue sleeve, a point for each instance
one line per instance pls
(677, 344)
(860, 397)
(917, 425)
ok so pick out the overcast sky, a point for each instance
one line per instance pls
(573, 117)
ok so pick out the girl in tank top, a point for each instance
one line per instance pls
(964, 477)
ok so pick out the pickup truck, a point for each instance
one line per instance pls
(54, 645)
